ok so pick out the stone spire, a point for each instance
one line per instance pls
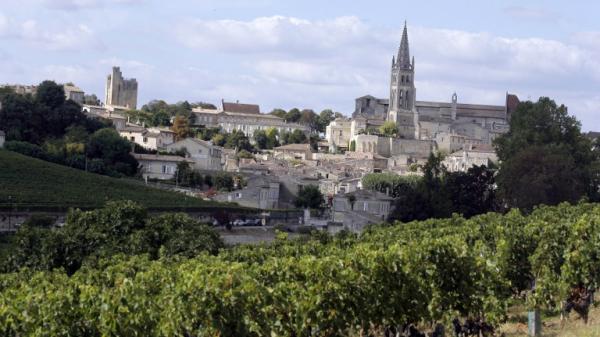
(404, 53)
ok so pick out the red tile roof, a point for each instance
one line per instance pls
(241, 108)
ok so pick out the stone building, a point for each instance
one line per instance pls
(120, 91)
(463, 160)
(154, 166)
(151, 138)
(339, 133)
(260, 192)
(356, 210)
(74, 93)
(423, 126)
(111, 113)
(204, 155)
(21, 89)
(242, 117)
(293, 152)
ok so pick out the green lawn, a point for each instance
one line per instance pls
(27, 183)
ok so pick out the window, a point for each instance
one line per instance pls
(132, 138)
(199, 150)
(145, 139)
(164, 169)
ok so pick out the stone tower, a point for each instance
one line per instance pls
(403, 92)
(121, 92)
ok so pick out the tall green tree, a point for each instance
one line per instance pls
(325, 117)
(260, 138)
(113, 151)
(50, 94)
(310, 197)
(539, 131)
(293, 116)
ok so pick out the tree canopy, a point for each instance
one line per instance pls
(310, 197)
(545, 157)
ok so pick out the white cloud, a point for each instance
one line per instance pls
(83, 4)
(55, 37)
(318, 57)
(309, 73)
(277, 34)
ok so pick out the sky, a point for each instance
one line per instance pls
(313, 54)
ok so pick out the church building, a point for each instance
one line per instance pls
(423, 126)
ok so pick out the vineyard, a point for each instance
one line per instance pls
(29, 183)
(421, 273)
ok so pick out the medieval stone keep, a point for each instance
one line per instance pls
(121, 92)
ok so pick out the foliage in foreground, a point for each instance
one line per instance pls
(119, 228)
(390, 275)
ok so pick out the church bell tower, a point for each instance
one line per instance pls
(402, 108)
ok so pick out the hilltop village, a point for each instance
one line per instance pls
(274, 156)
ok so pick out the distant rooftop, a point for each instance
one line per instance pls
(241, 108)
(158, 157)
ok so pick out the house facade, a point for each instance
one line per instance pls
(293, 152)
(463, 160)
(161, 167)
(260, 192)
(242, 117)
(358, 209)
(74, 93)
(152, 138)
(204, 155)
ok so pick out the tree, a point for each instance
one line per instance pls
(390, 183)
(50, 94)
(238, 140)
(471, 192)
(113, 151)
(279, 113)
(223, 181)
(218, 140)
(91, 99)
(325, 118)
(260, 138)
(309, 118)
(293, 116)
(119, 228)
(294, 137)
(541, 174)
(181, 127)
(310, 197)
(272, 138)
(389, 129)
(545, 127)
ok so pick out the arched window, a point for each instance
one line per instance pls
(402, 79)
(408, 79)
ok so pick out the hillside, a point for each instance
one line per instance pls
(27, 182)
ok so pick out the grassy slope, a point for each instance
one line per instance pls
(32, 182)
(574, 327)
